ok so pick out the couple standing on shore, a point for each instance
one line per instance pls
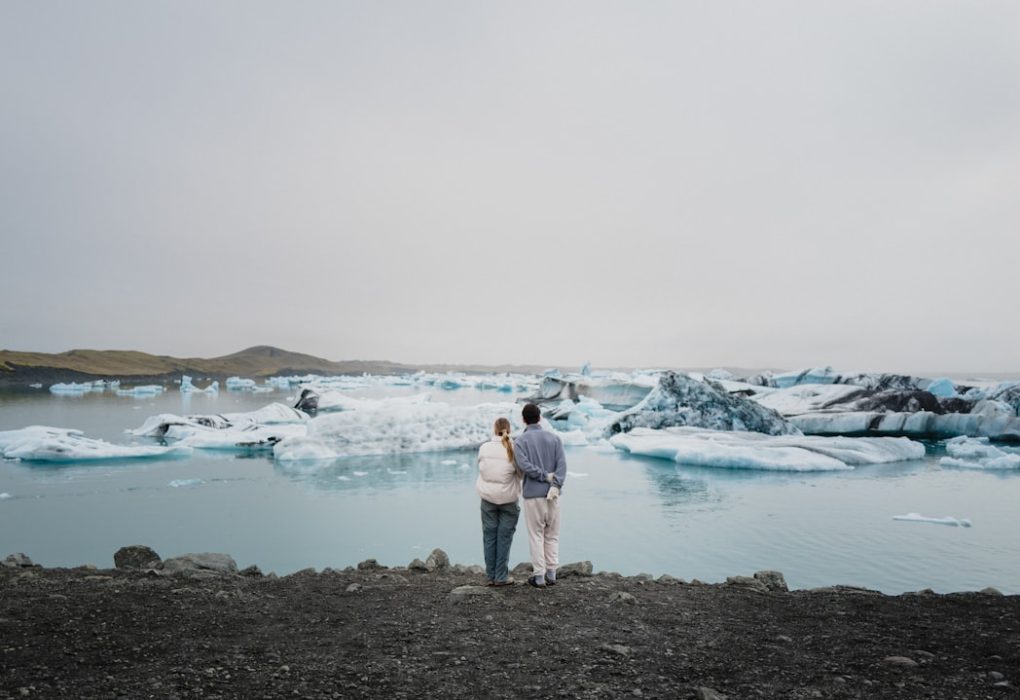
(533, 464)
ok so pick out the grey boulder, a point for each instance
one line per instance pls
(201, 565)
(136, 556)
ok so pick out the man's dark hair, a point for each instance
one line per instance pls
(531, 413)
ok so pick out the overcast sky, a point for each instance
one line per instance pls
(652, 183)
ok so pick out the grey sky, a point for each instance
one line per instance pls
(653, 183)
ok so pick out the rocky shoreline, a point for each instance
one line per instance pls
(196, 627)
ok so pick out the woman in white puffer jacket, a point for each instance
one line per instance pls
(499, 486)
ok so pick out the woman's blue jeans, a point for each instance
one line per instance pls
(498, 525)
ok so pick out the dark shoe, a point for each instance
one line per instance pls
(550, 581)
(500, 584)
(490, 583)
(536, 582)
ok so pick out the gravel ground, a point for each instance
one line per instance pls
(395, 633)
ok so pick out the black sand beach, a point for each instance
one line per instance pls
(377, 632)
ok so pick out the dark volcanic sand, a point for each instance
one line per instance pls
(79, 633)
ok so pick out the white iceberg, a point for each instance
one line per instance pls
(948, 520)
(251, 437)
(239, 384)
(71, 389)
(747, 450)
(45, 444)
(338, 401)
(143, 390)
(978, 453)
(4, 496)
(188, 388)
(396, 428)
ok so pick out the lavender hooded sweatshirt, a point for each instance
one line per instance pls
(537, 453)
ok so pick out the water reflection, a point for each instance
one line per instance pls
(395, 471)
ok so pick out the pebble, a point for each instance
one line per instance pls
(902, 661)
(995, 676)
(353, 588)
(784, 639)
(622, 597)
(708, 694)
(619, 649)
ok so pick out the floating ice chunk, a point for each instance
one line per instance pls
(579, 475)
(978, 453)
(396, 428)
(395, 471)
(720, 375)
(143, 390)
(4, 496)
(239, 384)
(360, 473)
(36, 385)
(71, 389)
(178, 483)
(188, 388)
(918, 518)
(343, 478)
(743, 450)
(44, 444)
(449, 462)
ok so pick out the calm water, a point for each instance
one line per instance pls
(627, 514)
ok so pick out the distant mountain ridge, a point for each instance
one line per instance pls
(259, 361)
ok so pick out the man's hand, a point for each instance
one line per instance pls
(550, 476)
(554, 494)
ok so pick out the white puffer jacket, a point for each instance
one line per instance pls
(498, 480)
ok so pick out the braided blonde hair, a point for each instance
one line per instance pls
(503, 430)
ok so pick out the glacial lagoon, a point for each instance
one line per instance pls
(624, 513)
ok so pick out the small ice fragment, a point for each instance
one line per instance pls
(4, 496)
(448, 462)
(580, 475)
(360, 473)
(343, 478)
(178, 483)
(396, 471)
(948, 520)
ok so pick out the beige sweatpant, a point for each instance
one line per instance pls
(543, 519)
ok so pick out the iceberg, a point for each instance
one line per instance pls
(71, 389)
(978, 453)
(615, 391)
(749, 450)
(143, 390)
(922, 424)
(239, 384)
(918, 518)
(45, 444)
(337, 401)
(680, 400)
(174, 427)
(396, 428)
(188, 388)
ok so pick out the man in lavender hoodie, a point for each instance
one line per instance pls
(539, 454)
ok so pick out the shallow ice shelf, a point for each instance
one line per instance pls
(39, 443)
(746, 450)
